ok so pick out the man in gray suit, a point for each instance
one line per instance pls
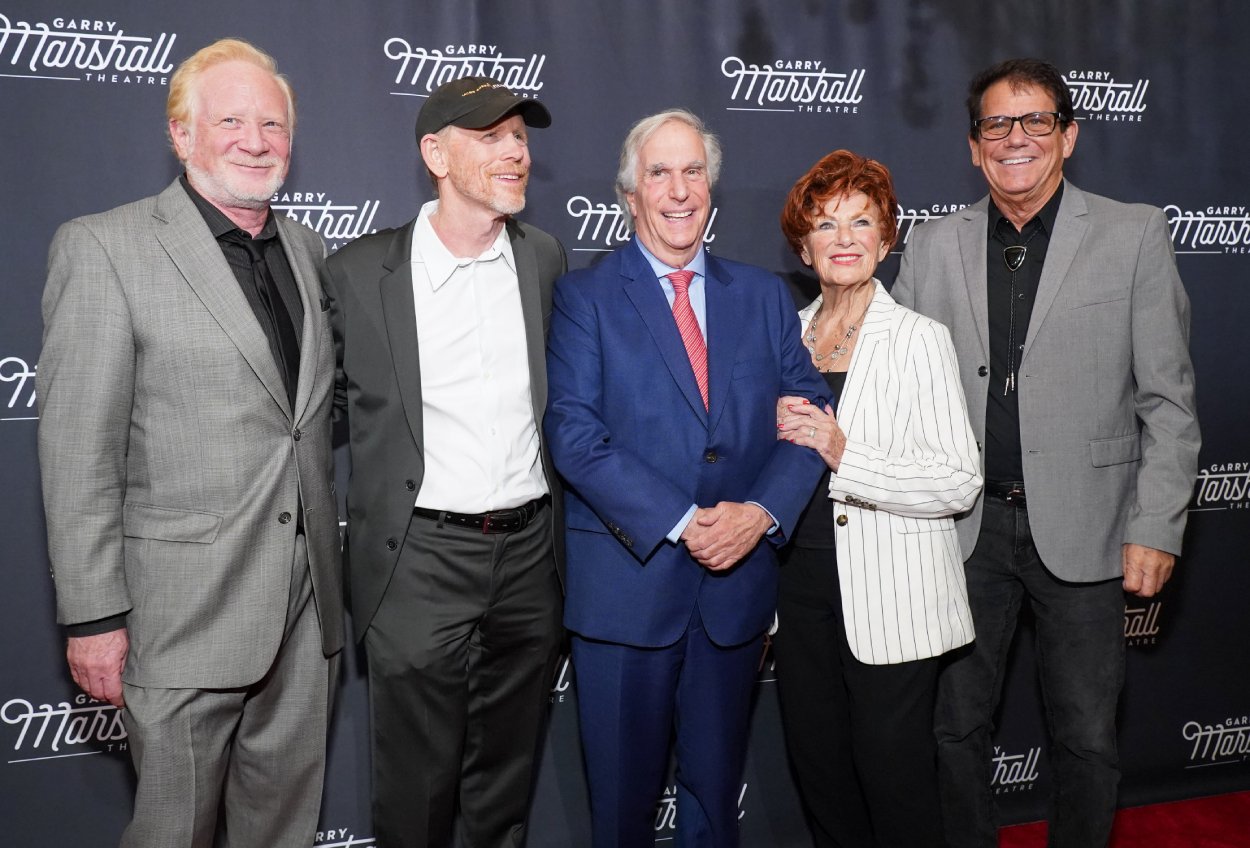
(185, 394)
(1072, 331)
(439, 328)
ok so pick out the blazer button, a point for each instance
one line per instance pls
(841, 520)
(391, 544)
(296, 435)
(982, 371)
(284, 518)
(710, 456)
(410, 485)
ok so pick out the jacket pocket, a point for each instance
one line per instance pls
(142, 521)
(1116, 451)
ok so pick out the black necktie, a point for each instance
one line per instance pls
(274, 318)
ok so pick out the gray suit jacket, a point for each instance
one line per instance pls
(1108, 425)
(369, 287)
(172, 462)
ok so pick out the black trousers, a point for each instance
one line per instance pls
(860, 736)
(462, 653)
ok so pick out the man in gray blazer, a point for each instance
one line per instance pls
(184, 441)
(1072, 331)
(440, 331)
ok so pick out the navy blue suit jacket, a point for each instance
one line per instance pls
(629, 434)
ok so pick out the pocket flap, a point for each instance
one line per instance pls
(1121, 449)
(169, 525)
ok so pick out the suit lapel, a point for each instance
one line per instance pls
(531, 316)
(188, 242)
(643, 290)
(873, 335)
(400, 314)
(310, 294)
(723, 335)
(972, 246)
(1069, 232)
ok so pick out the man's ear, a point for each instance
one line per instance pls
(434, 154)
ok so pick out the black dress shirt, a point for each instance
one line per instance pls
(1011, 295)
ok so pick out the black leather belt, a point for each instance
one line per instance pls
(499, 521)
(1012, 493)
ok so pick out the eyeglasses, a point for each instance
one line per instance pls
(999, 126)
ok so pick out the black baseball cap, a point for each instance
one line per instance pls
(476, 102)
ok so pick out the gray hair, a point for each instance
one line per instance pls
(641, 132)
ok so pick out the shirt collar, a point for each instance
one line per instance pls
(439, 262)
(1046, 216)
(698, 264)
(218, 223)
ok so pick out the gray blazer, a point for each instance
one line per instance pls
(1108, 425)
(368, 285)
(172, 462)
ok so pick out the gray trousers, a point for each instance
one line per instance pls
(462, 653)
(249, 761)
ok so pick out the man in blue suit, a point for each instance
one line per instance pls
(664, 367)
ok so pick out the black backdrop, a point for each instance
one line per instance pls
(82, 92)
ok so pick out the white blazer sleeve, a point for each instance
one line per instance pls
(914, 454)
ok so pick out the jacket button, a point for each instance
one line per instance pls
(410, 485)
(710, 456)
(296, 435)
(391, 544)
(284, 518)
(982, 371)
(841, 520)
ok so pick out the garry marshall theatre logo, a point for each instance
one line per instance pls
(908, 218)
(563, 682)
(1215, 229)
(606, 226)
(337, 223)
(1141, 624)
(1096, 96)
(52, 731)
(787, 85)
(1014, 772)
(424, 70)
(666, 813)
(18, 390)
(1224, 485)
(83, 49)
(1218, 744)
(338, 837)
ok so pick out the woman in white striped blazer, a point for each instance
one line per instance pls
(872, 590)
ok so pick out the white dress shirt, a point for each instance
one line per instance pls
(480, 438)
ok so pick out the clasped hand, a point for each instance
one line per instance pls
(802, 423)
(719, 537)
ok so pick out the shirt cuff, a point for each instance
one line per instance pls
(674, 535)
(775, 526)
(95, 628)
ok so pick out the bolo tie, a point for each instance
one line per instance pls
(1013, 257)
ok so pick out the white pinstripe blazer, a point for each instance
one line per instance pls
(911, 463)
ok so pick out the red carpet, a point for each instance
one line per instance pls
(1222, 821)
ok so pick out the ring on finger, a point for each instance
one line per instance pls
(811, 432)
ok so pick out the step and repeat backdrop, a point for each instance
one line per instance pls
(82, 95)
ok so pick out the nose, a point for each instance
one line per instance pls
(678, 188)
(515, 149)
(1017, 136)
(253, 140)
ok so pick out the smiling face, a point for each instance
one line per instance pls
(237, 146)
(672, 200)
(486, 169)
(845, 245)
(1023, 171)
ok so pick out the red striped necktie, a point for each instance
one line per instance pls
(688, 326)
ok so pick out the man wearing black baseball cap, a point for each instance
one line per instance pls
(453, 508)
